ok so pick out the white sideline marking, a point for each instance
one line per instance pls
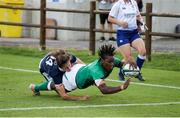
(89, 106)
(136, 83)
(21, 70)
(154, 85)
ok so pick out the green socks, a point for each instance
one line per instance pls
(42, 87)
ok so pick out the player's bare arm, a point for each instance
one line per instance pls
(118, 22)
(139, 18)
(61, 92)
(141, 23)
(110, 90)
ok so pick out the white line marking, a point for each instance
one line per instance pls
(21, 70)
(153, 85)
(136, 83)
(90, 106)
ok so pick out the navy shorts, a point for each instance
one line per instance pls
(126, 36)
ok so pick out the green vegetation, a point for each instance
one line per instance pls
(164, 69)
(170, 61)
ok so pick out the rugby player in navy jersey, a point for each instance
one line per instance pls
(52, 67)
(125, 14)
(82, 76)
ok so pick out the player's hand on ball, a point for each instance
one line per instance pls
(130, 61)
(130, 71)
(133, 64)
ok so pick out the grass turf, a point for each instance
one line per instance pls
(14, 92)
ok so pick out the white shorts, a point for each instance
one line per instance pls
(68, 79)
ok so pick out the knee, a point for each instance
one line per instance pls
(142, 52)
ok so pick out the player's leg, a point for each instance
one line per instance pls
(48, 85)
(125, 51)
(124, 48)
(110, 27)
(45, 86)
(102, 25)
(32, 87)
(139, 45)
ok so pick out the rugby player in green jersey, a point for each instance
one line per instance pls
(82, 76)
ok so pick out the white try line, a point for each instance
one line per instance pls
(136, 83)
(89, 106)
(152, 85)
(21, 70)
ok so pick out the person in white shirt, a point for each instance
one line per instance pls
(125, 14)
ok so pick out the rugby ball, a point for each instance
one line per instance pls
(129, 71)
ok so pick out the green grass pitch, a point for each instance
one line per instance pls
(158, 96)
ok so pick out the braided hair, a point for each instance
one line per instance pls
(106, 50)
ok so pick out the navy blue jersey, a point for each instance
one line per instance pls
(50, 70)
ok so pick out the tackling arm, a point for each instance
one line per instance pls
(110, 90)
(61, 92)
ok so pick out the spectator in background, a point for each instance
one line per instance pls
(105, 5)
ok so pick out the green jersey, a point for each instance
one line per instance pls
(87, 75)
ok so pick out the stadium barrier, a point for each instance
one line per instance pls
(92, 30)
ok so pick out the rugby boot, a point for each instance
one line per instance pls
(35, 93)
(140, 77)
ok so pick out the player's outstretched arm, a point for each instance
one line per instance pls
(61, 91)
(110, 90)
